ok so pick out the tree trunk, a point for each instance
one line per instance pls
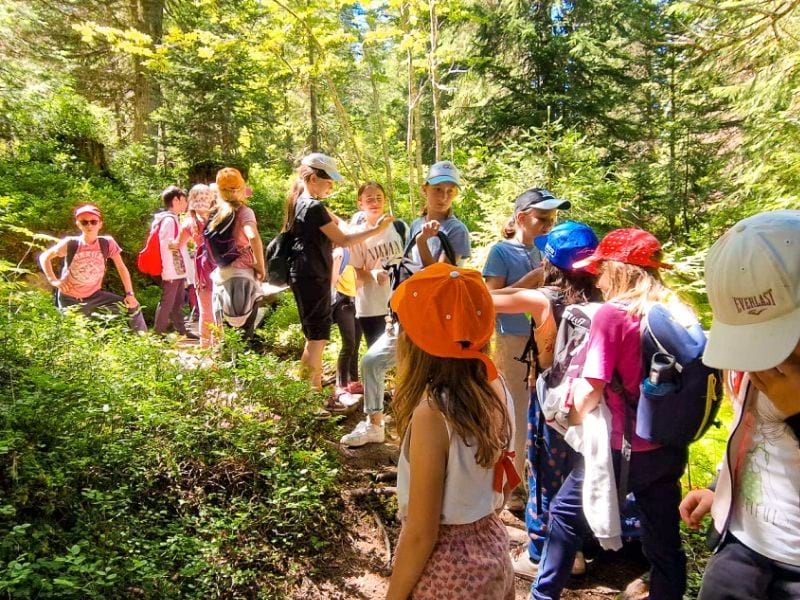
(376, 108)
(437, 134)
(412, 103)
(147, 16)
(313, 139)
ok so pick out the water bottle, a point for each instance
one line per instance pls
(663, 375)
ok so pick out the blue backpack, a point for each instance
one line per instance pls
(680, 396)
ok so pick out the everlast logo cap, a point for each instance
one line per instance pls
(753, 282)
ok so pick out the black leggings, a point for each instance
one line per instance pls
(373, 328)
(344, 315)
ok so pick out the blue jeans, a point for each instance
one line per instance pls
(655, 481)
(556, 462)
(736, 572)
(379, 358)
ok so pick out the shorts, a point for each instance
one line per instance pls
(313, 298)
(468, 561)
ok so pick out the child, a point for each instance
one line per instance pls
(343, 311)
(315, 231)
(81, 278)
(237, 285)
(440, 190)
(455, 467)
(627, 263)
(369, 259)
(753, 282)
(174, 262)
(549, 456)
(508, 261)
(201, 201)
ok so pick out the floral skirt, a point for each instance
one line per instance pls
(468, 561)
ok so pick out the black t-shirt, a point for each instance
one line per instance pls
(311, 248)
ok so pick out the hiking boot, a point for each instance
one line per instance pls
(364, 433)
(524, 567)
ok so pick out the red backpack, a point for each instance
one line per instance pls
(149, 260)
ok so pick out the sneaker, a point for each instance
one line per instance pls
(524, 567)
(347, 400)
(355, 387)
(364, 433)
(339, 391)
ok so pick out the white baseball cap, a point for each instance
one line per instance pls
(323, 162)
(443, 171)
(753, 283)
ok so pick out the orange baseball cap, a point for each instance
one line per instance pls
(448, 312)
(230, 179)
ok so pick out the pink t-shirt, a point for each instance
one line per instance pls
(86, 271)
(245, 260)
(614, 345)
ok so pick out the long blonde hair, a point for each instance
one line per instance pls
(228, 202)
(637, 287)
(460, 390)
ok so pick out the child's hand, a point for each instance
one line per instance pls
(382, 277)
(131, 302)
(695, 506)
(781, 385)
(384, 222)
(173, 245)
(428, 231)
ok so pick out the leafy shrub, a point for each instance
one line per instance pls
(128, 469)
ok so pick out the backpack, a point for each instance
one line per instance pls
(680, 396)
(277, 257)
(204, 265)
(404, 267)
(72, 248)
(554, 385)
(149, 259)
(220, 240)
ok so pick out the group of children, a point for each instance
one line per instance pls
(461, 415)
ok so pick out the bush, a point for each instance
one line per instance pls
(128, 469)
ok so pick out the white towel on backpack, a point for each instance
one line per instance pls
(600, 504)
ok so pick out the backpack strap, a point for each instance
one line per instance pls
(447, 247)
(72, 249)
(627, 435)
(530, 354)
(402, 230)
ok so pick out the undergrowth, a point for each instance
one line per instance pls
(128, 470)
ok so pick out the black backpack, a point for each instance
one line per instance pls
(404, 267)
(220, 240)
(277, 256)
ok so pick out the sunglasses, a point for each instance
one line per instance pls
(86, 222)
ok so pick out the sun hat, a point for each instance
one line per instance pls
(443, 171)
(538, 198)
(323, 162)
(448, 312)
(201, 198)
(753, 282)
(629, 246)
(567, 243)
(88, 209)
(230, 179)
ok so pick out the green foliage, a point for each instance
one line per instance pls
(128, 469)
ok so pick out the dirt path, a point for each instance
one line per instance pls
(357, 567)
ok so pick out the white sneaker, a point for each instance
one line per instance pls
(364, 433)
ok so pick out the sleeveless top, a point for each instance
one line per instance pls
(468, 488)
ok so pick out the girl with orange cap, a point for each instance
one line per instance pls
(627, 264)
(455, 469)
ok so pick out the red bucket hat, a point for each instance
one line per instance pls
(448, 312)
(629, 246)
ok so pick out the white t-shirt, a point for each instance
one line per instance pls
(766, 507)
(372, 300)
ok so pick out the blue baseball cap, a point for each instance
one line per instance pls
(443, 171)
(567, 243)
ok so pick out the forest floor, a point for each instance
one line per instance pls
(357, 566)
